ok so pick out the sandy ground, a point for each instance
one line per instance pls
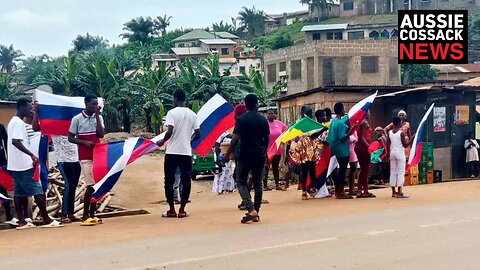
(141, 186)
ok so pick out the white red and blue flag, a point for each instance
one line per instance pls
(3, 198)
(39, 147)
(358, 111)
(110, 159)
(56, 112)
(416, 151)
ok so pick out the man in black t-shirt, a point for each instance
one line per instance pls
(252, 128)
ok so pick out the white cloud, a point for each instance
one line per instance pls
(25, 17)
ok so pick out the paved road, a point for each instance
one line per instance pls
(442, 236)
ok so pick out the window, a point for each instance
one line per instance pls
(385, 34)
(334, 35)
(242, 69)
(369, 64)
(283, 66)
(272, 73)
(225, 51)
(394, 34)
(296, 70)
(355, 35)
(347, 5)
(316, 36)
(374, 35)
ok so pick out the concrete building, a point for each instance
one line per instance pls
(192, 39)
(457, 72)
(349, 8)
(347, 31)
(437, 4)
(334, 62)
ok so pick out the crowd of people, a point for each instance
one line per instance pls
(244, 164)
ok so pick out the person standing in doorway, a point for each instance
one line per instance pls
(276, 129)
(86, 130)
(181, 123)
(338, 139)
(253, 130)
(397, 142)
(22, 162)
(361, 149)
(472, 147)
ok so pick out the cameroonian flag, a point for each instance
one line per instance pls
(377, 152)
(302, 126)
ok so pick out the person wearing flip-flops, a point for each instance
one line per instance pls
(397, 141)
(181, 123)
(66, 154)
(86, 130)
(253, 130)
(21, 162)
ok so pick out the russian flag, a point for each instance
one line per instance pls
(6, 179)
(215, 117)
(3, 198)
(56, 112)
(358, 111)
(109, 160)
(416, 151)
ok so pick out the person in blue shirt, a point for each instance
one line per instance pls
(338, 139)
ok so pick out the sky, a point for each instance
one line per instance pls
(48, 26)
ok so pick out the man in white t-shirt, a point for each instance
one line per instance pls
(21, 163)
(181, 123)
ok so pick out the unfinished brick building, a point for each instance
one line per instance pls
(334, 62)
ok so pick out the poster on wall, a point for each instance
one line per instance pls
(462, 115)
(439, 119)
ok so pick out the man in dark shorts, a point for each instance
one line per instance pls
(252, 128)
(3, 162)
(21, 162)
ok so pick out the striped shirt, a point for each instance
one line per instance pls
(84, 127)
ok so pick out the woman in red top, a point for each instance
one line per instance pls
(361, 149)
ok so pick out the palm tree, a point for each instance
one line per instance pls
(320, 7)
(88, 43)
(161, 24)
(252, 20)
(223, 27)
(8, 57)
(139, 29)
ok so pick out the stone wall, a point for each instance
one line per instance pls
(346, 56)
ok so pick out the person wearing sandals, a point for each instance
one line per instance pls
(66, 154)
(397, 141)
(339, 141)
(181, 123)
(353, 164)
(253, 130)
(85, 131)
(361, 150)
(22, 162)
(276, 129)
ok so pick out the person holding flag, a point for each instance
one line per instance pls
(397, 142)
(338, 139)
(361, 149)
(277, 127)
(21, 162)
(181, 123)
(67, 159)
(4, 175)
(86, 129)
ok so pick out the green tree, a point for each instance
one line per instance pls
(320, 7)
(88, 43)
(139, 29)
(7, 92)
(417, 73)
(252, 20)
(63, 79)
(35, 66)
(257, 81)
(161, 24)
(282, 42)
(223, 27)
(9, 58)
